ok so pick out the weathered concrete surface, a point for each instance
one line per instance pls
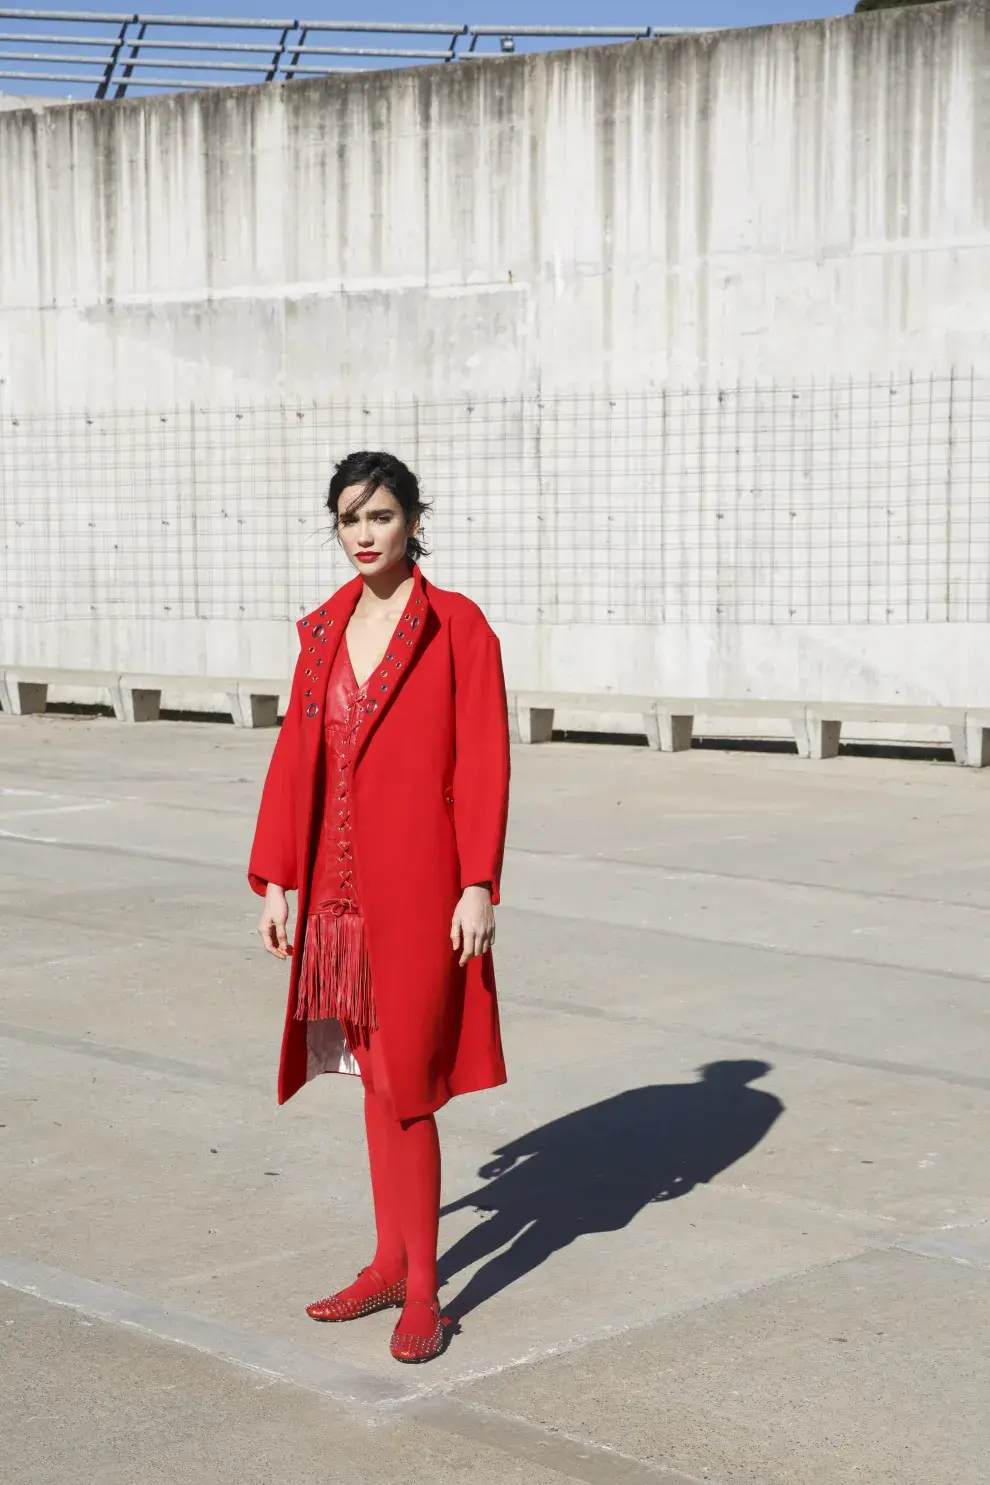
(773, 1274)
(777, 202)
(669, 323)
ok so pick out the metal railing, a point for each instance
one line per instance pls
(112, 54)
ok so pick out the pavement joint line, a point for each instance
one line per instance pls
(730, 1038)
(744, 945)
(741, 945)
(574, 1458)
(947, 1248)
(251, 1351)
(375, 1399)
(174, 1067)
(674, 870)
(521, 852)
(129, 1057)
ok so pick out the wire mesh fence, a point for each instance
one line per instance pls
(839, 503)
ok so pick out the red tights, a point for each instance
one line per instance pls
(405, 1183)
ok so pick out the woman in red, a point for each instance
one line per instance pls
(385, 809)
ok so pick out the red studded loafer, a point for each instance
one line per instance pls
(410, 1347)
(341, 1306)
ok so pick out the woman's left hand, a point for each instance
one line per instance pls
(472, 930)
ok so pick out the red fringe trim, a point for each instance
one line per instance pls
(335, 974)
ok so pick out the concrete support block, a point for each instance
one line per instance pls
(27, 698)
(676, 731)
(117, 702)
(651, 726)
(824, 736)
(535, 723)
(978, 740)
(140, 704)
(252, 708)
(512, 704)
(802, 735)
(957, 741)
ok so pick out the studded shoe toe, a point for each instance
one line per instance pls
(337, 1307)
(411, 1348)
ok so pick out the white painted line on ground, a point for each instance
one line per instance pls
(108, 848)
(58, 809)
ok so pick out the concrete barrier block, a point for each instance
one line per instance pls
(977, 731)
(140, 703)
(823, 736)
(675, 730)
(26, 698)
(802, 734)
(535, 723)
(251, 708)
(958, 744)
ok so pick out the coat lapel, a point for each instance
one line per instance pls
(407, 640)
(320, 635)
(322, 632)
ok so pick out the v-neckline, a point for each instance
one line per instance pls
(350, 666)
(361, 685)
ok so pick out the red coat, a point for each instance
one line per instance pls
(429, 804)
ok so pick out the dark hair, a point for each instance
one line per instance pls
(377, 471)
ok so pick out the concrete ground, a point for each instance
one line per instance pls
(746, 1235)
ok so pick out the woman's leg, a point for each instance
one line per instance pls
(414, 1177)
(390, 1254)
(389, 1262)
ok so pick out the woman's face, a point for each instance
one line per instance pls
(374, 534)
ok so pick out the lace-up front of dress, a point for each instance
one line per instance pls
(335, 975)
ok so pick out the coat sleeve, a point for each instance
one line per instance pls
(481, 755)
(273, 854)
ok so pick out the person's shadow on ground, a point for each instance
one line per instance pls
(595, 1169)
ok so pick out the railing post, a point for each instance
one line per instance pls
(279, 54)
(104, 87)
(299, 43)
(128, 71)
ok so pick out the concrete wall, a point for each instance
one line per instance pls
(798, 203)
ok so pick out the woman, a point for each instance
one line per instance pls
(385, 809)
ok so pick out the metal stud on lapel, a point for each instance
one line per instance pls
(312, 709)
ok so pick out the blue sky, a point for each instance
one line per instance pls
(497, 12)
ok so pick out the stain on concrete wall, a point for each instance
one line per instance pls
(783, 201)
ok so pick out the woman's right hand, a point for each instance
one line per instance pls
(274, 922)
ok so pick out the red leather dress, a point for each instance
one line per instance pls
(335, 974)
